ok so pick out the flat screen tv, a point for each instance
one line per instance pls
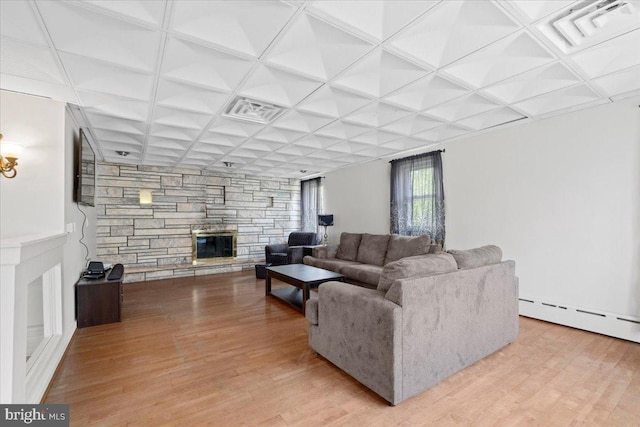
(86, 173)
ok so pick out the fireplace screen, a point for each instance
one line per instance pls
(213, 245)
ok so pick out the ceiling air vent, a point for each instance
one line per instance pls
(590, 22)
(253, 111)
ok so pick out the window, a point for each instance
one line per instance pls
(417, 196)
(310, 203)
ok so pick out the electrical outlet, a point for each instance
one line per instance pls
(71, 227)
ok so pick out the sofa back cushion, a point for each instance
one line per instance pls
(405, 246)
(373, 249)
(348, 249)
(473, 258)
(302, 238)
(416, 266)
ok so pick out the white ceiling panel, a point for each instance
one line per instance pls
(133, 127)
(180, 118)
(491, 118)
(99, 36)
(342, 130)
(234, 127)
(315, 48)
(614, 55)
(501, 60)
(88, 74)
(31, 62)
(453, 29)
(412, 125)
(278, 87)
(378, 19)
(532, 83)
(379, 73)
(535, 10)
(189, 98)
(462, 107)
(426, 92)
(132, 141)
(147, 11)
(18, 21)
(202, 66)
(301, 122)
(376, 137)
(322, 84)
(244, 26)
(278, 135)
(114, 106)
(558, 100)
(377, 114)
(621, 82)
(442, 133)
(332, 102)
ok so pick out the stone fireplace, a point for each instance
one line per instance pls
(210, 246)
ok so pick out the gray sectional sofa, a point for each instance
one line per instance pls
(361, 257)
(429, 316)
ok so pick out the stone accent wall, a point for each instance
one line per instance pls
(154, 240)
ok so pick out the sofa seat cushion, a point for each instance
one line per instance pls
(349, 244)
(406, 246)
(364, 273)
(473, 258)
(373, 248)
(416, 266)
(332, 264)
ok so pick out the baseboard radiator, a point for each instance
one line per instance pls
(611, 324)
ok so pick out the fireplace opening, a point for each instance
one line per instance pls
(209, 246)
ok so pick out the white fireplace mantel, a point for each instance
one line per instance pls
(23, 260)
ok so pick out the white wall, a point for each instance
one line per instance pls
(39, 200)
(31, 202)
(561, 196)
(358, 197)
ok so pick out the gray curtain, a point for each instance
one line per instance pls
(417, 196)
(310, 204)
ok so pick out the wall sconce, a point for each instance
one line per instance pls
(146, 197)
(9, 154)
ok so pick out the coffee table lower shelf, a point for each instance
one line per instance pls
(290, 295)
(302, 277)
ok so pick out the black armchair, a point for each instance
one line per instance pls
(292, 251)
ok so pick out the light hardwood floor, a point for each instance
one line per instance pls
(212, 350)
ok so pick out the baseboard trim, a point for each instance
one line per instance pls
(601, 322)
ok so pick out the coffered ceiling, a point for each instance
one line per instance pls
(356, 80)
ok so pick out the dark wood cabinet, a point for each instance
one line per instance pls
(98, 301)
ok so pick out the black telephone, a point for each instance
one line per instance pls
(95, 270)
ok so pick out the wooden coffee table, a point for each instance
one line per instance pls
(303, 277)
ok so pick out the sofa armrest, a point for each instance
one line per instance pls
(295, 254)
(360, 331)
(275, 248)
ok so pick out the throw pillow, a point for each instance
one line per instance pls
(404, 246)
(472, 258)
(373, 248)
(348, 249)
(416, 266)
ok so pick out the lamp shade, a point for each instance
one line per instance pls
(325, 220)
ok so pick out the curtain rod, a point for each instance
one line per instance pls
(418, 155)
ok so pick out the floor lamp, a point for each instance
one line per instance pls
(325, 221)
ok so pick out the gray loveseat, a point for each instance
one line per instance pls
(360, 257)
(430, 317)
